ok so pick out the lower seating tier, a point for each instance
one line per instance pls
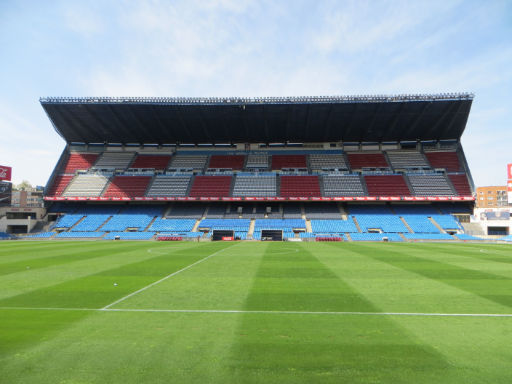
(90, 223)
(129, 235)
(375, 236)
(80, 235)
(333, 226)
(428, 236)
(172, 225)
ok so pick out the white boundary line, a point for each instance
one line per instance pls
(163, 279)
(235, 311)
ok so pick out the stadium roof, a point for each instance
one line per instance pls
(260, 120)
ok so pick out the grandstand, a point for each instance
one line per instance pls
(350, 168)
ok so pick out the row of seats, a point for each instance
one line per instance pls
(79, 161)
(424, 220)
(403, 159)
(375, 237)
(263, 185)
(88, 185)
(391, 185)
(169, 186)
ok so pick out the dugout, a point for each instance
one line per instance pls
(271, 235)
(222, 235)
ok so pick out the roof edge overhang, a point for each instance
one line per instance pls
(259, 100)
(301, 119)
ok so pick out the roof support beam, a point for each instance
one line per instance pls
(375, 114)
(141, 127)
(391, 128)
(346, 131)
(416, 121)
(327, 124)
(184, 126)
(307, 122)
(73, 121)
(203, 126)
(163, 129)
(431, 133)
(123, 126)
(454, 116)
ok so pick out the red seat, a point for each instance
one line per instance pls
(211, 186)
(367, 160)
(128, 186)
(229, 162)
(461, 184)
(289, 161)
(300, 186)
(447, 160)
(389, 185)
(59, 185)
(158, 162)
(78, 161)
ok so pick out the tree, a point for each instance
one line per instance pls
(23, 185)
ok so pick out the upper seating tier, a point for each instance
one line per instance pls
(343, 185)
(257, 160)
(128, 186)
(367, 160)
(114, 160)
(430, 185)
(158, 162)
(59, 185)
(79, 161)
(169, 186)
(182, 161)
(300, 186)
(461, 184)
(289, 161)
(255, 186)
(407, 159)
(227, 162)
(335, 161)
(89, 185)
(447, 160)
(211, 186)
(389, 185)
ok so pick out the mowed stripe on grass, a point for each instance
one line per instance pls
(132, 347)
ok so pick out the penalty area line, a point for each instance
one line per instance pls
(163, 279)
(235, 311)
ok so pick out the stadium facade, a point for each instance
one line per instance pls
(344, 168)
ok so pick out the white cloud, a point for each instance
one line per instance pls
(264, 48)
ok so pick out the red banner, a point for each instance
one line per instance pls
(5, 173)
(276, 198)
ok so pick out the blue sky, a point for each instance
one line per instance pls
(252, 48)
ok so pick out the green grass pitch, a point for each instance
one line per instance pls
(254, 312)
